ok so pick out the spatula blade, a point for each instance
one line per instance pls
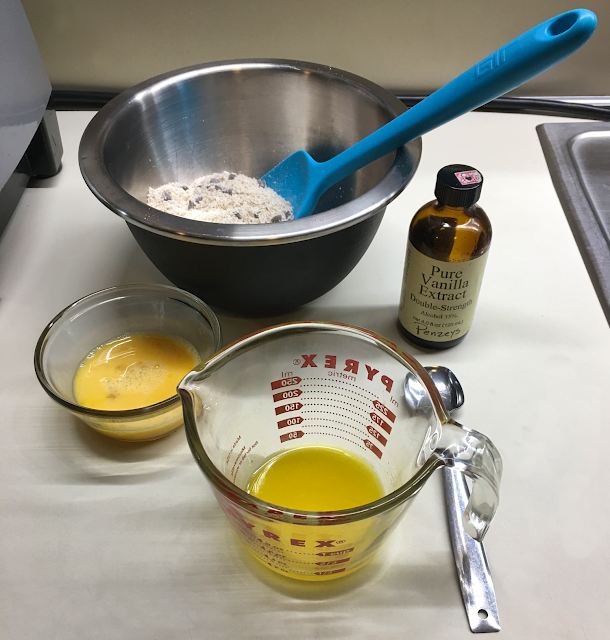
(296, 179)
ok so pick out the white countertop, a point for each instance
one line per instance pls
(101, 539)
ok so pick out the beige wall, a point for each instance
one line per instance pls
(400, 44)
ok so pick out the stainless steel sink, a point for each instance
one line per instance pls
(578, 156)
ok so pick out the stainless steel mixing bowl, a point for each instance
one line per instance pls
(246, 116)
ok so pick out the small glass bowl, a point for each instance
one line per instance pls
(101, 316)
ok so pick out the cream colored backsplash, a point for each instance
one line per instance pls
(400, 44)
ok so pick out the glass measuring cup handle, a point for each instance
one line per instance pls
(477, 457)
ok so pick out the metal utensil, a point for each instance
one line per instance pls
(302, 180)
(470, 558)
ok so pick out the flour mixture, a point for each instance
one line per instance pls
(226, 198)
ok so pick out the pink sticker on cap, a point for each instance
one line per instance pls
(469, 177)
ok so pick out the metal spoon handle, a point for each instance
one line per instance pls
(470, 559)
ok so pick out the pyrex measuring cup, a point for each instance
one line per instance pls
(335, 385)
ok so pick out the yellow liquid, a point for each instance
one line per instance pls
(316, 478)
(133, 371)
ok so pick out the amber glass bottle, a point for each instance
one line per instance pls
(449, 240)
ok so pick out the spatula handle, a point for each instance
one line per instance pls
(510, 66)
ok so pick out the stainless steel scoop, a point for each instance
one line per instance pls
(470, 558)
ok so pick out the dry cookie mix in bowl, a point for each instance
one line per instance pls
(227, 198)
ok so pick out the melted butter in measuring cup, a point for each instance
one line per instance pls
(338, 412)
(316, 478)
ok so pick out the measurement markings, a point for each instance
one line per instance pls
(330, 562)
(339, 552)
(328, 573)
(312, 399)
(293, 435)
(289, 422)
(380, 422)
(344, 382)
(357, 402)
(354, 432)
(285, 382)
(286, 395)
(285, 408)
(384, 410)
(371, 447)
(382, 439)
(322, 433)
(334, 386)
(352, 426)
(338, 405)
(351, 384)
(332, 413)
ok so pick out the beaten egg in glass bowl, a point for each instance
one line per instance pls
(115, 357)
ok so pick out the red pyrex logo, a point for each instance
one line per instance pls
(351, 366)
(294, 542)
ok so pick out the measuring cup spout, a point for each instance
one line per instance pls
(477, 457)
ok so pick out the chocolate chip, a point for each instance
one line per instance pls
(256, 214)
(166, 196)
(198, 198)
(218, 187)
(276, 219)
(185, 187)
(228, 191)
(237, 214)
(287, 214)
(191, 205)
(262, 184)
(232, 176)
(214, 180)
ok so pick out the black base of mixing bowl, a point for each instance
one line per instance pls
(236, 278)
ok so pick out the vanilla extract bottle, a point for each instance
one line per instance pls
(449, 240)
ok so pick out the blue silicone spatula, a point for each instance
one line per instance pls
(302, 180)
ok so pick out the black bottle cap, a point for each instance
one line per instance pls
(458, 185)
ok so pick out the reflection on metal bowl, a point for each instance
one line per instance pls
(246, 116)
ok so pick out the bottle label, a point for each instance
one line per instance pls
(438, 298)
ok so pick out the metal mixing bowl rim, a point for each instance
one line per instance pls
(138, 213)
